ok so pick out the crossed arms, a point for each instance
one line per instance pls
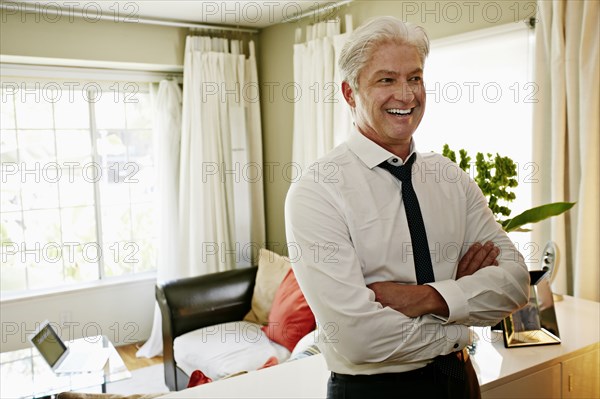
(418, 300)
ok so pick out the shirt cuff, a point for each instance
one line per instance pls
(458, 337)
(455, 299)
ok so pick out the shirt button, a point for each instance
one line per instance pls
(455, 346)
(395, 160)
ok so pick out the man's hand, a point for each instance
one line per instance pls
(477, 257)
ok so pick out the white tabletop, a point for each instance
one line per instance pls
(579, 327)
(579, 324)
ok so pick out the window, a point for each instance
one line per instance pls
(480, 93)
(77, 176)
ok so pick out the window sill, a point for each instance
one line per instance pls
(106, 284)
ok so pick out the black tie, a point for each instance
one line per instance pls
(448, 364)
(418, 235)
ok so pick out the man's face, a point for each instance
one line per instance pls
(390, 100)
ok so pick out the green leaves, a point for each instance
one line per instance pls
(495, 176)
(536, 214)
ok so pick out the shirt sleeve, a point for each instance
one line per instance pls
(492, 293)
(330, 275)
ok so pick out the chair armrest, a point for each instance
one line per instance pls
(191, 303)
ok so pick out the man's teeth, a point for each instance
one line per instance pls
(397, 111)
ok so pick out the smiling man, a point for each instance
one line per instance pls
(397, 252)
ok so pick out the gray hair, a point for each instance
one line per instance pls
(362, 42)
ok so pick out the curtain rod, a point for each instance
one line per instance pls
(23, 7)
(317, 10)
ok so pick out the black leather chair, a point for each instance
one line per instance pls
(196, 302)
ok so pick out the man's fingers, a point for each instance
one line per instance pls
(482, 255)
(468, 256)
(490, 259)
(477, 257)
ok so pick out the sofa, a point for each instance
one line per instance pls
(232, 322)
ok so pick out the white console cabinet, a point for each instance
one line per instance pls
(543, 384)
(567, 370)
(581, 376)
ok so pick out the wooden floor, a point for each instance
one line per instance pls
(132, 362)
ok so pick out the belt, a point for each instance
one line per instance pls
(422, 372)
(412, 375)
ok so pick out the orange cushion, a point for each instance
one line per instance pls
(290, 318)
(272, 268)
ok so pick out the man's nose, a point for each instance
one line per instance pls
(404, 93)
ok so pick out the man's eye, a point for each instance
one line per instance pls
(386, 80)
(416, 79)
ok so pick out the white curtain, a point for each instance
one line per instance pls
(167, 137)
(567, 139)
(217, 207)
(322, 119)
(221, 157)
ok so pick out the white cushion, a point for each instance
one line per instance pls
(304, 345)
(225, 349)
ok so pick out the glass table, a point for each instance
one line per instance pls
(25, 374)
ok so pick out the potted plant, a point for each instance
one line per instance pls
(496, 177)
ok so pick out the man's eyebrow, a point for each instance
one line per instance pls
(390, 72)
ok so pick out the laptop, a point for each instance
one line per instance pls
(63, 359)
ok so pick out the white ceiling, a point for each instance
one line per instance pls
(251, 14)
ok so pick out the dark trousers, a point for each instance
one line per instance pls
(427, 382)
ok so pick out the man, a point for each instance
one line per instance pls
(357, 248)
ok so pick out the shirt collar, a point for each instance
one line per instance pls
(370, 153)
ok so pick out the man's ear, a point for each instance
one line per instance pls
(348, 94)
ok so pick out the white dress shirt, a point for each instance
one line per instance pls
(346, 228)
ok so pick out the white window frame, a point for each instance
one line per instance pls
(13, 71)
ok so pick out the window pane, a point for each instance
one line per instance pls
(121, 258)
(113, 193)
(12, 270)
(39, 193)
(74, 146)
(146, 255)
(33, 110)
(79, 225)
(141, 147)
(11, 230)
(142, 189)
(7, 108)
(12, 273)
(143, 216)
(81, 261)
(10, 195)
(138, 111)
(71, 112)
(42, 273)
(36, 146)
(41, 228)
(42, 250)
(8, 145)
(116, 224)
(110, 111)
(76, 188)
